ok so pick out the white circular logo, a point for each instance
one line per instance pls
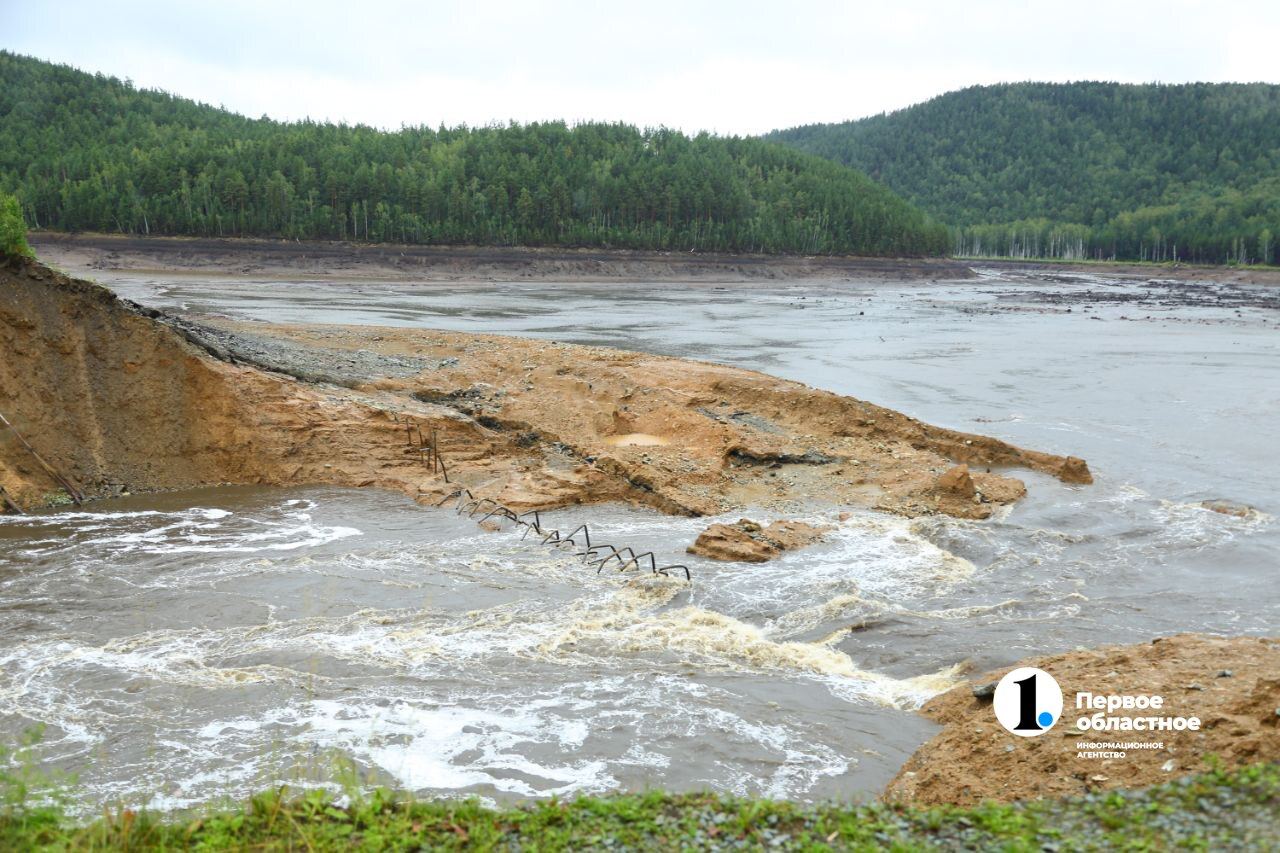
(1028, 701)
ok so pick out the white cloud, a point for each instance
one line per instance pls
(731, 67)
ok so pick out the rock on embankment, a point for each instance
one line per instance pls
(746, 541)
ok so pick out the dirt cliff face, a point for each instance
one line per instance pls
(116, 397)
(114, 400)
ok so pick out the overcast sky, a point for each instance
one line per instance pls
(729, 67)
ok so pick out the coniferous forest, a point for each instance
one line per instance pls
(1068, 171)
(89, 152)
(1081, 170)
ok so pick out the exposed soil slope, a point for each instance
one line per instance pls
(117, 397)
(114, 399)
(1232, 685)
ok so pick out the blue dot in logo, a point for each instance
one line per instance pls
(1045, 719)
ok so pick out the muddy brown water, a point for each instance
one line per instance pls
(187, 646)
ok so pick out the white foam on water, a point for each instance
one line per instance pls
(904, 693)
(197, 530)
(734, 619)
(868, 552)
(421, 747)
(108, 518)
(676, 709)
(166, 782)
(612, 629)
(1196, 526)
(484, 741)
(1125, 493)
(867, 555)
(445, 747)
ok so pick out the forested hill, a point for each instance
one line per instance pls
(1132, 170)
(88, 152)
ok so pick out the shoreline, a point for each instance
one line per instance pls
(232, 257)
(235, 256)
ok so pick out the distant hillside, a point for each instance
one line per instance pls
(88, 152)
(1098, 168)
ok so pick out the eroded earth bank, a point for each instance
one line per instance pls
(115, 398)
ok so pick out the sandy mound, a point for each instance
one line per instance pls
(1232, 685)
(114, 397)
(694, 438)
(745, 541)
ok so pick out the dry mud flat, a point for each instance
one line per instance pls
(1180, 273)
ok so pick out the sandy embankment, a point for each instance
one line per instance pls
(1231, 684)
(116, 397)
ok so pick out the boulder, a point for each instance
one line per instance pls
(956, 481)
(1075, 470)
(1226, 507)
(747, 541)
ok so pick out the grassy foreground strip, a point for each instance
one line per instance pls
(1212, 811)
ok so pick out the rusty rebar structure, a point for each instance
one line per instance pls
(77, 497)
(598, 554)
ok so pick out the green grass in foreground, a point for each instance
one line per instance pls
(1211, 811)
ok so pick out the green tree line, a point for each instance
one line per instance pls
(13, 231)
(1099, 170)
(90, 152)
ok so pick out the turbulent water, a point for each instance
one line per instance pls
(186, 646)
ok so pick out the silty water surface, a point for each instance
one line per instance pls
(187, 646)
